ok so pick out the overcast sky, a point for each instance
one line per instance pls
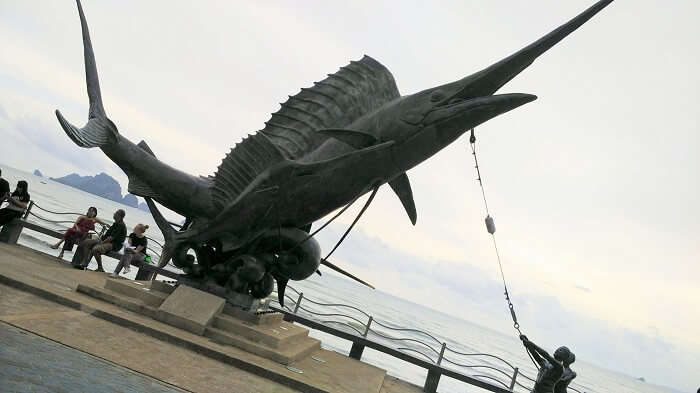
(594, 186)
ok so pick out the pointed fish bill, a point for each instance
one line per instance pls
(469, 114)
(489, 80)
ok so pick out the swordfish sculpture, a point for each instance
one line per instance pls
(326, 146)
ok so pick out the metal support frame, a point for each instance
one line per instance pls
(29, 208)
(515, 376)
(296, 306)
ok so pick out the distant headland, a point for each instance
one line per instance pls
(102, 185)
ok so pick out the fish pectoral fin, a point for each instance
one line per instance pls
(356, 139)
(144, 146)
(140, 188)
(402, 188)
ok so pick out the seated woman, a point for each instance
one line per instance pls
(83, 225)
(16, 203)
(134, 250)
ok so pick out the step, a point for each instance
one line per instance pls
(257, 319)
(136, 289)
(160, 286)
(118, 299)
(297, 351)
(280, 335)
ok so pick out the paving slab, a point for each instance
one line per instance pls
(31, 363)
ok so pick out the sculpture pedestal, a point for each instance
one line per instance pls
(245, 302)
(199, 312)
(190, 309)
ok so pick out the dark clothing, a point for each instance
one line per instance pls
(118, 234)
(139, 241)
(4, 187)
(91, 248)
(7, 215)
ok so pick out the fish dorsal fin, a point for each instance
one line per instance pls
(248, 159)
(357, 89)
(144, 146)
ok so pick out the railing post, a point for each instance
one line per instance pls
(356, 351)
(512, 382)
(442, 352)
(29, 208)
(369, 323)
(357, 348)
(296, 307)
(432, 380)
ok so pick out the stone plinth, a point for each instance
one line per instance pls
(190, 309)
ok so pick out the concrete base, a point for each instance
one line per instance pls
(190, 309)
(245, 302)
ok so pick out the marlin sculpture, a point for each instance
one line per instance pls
(328, 145)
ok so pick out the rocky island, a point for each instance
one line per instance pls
(101, 185)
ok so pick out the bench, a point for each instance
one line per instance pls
(11, 231)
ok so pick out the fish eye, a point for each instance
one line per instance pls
(437, 96)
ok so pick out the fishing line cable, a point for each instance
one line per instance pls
(491, 228)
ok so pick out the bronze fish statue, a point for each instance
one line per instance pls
(331, 143)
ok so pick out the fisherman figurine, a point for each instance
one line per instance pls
(568, 375)
(551, 368)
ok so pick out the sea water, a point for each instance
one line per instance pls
(460, 335)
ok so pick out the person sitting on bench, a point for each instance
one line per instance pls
(134, 250)
(16, 203)
(76, 234)
(111, 241)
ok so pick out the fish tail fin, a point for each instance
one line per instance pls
(99, 130)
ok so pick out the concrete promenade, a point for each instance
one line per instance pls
(37, 295)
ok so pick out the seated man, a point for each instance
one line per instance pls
(568, 375)
(111, 241)
(17, 202)
(551, 368)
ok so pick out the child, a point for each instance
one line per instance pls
(134, 249)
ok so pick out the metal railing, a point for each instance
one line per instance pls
(415, 343)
